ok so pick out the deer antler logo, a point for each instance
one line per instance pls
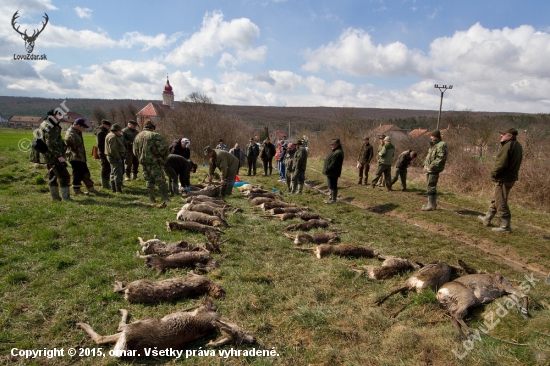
(29, 40)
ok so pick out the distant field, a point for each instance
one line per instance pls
(59, 262)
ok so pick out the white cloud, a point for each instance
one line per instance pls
(160, 41)
(83, 12)
(233, 39)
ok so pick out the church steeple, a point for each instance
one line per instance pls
(168, 94)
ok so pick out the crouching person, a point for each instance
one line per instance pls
(177, 167)
(403, 161)
(227, 163)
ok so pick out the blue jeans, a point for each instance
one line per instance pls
(281, 167)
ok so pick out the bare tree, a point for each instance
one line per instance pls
(123, 112)
(113, 114)
(98, 114)
(132, 111)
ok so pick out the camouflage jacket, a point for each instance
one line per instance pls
(403, 160)
(288, 160)
(436, 158)
(385, 155)
(114, 147)
(150, 148)
(365, 154)
(226, 162)
(52, 137)
(252, 151)
(75, 145)
(508, 161)
(130, 135)
(300, 159)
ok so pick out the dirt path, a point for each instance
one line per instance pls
(505, 255)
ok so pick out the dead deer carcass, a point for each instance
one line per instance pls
(342, 250)
(274, 204)
(210, 191)
(308, 225)
(191, 226)
(204, 208)
(146, 204)
(281, 210)
(174, 331)
(473, 290)
(432, 276)
(197, 199)
(156, 246)
(201, 218)
(389, 268)
(173, 288)
(321, 238)
(272, 196)
(201, 260)
(301, 215)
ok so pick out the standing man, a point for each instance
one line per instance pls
(181, 147)
(239, 154)
(227, 163)
(221, 145)
(505, 174)
(132, 163)
(177, 166)
(433, 165)
(332, 168)
(55, 157)
(252, 153)
(289, 166)
(151, 150)
(115, 151)
(76, 154)
(105, 166)
(300, 163)
(279, 157)
(403, 161)
(363, 160)
(267, 152)
(385, 156)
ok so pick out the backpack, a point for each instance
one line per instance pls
(39, 145)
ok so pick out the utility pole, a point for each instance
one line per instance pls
(442, 89)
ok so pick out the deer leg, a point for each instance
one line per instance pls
(99, 339)
(122, 323)
(456, 324)
(380, 301)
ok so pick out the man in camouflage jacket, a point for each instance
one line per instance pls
(130, 132)
(403, 161)
(385, 157)
(228, 165)
(55, 157)
(299, 163)
(433, 165)
(289, 166)
(505, 173)
(76, 154)
(363, 160)
(151, 149)
(105, 166)
(115, 151)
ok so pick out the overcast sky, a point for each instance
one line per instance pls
(369, 53)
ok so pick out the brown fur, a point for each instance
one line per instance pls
(202, 261)
(275, 204)
(389, 268)
(144, 204)
(473, 290)
(191, 226)
(308, 225)
(210, 191)
(281, 210)
(342, 250)
(197, 199)
(173, 288)
(321, 238)
(272, 196)
(201, 218)
(204, 208)
(155, 246)
(174, 331)
(433, 276)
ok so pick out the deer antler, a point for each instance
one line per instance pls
(25, 35)
(43, 26)
(15, 16)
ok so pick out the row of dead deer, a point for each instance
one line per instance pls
(204, 214)
(457, 297)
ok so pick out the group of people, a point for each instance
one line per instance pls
(504, 173)
(119, 151)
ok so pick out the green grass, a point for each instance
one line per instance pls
(59, 261)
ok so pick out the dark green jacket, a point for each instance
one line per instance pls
(333, 163)
(385, 155)
(403, 160)
(365, 154)
(507, 162)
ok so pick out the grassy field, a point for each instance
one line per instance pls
(59, 262)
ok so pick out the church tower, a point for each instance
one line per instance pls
(168, 95)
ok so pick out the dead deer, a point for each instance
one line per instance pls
(389, 268)
(205, 209)
(272, 196)
(473, 290)
(173, 331)
(201, 218)
(210, 191)
(145, 204)
(201, 260)
(274, 204)
(156, 246)
(432, 276)
(173, 288)
(197, 199)
(322, 238)
(281, 210)
(301, 215)
(342, 250)
(308, 225)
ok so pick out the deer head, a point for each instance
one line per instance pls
(29, 40)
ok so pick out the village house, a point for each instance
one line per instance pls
(155, 112)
